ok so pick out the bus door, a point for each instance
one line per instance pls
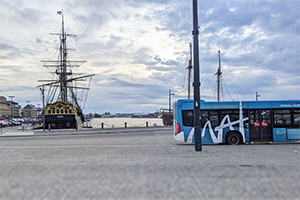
(260, 125)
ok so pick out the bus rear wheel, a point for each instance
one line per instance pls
(233, 138)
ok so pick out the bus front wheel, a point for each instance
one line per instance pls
(234, 138)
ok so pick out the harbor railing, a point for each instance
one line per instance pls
(121, 125)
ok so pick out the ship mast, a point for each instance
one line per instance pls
(63, 63)
(219, 76)
(190, 68)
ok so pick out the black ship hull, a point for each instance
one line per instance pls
(60, 121)
(60, 115)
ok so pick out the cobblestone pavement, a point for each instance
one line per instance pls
(144, 165)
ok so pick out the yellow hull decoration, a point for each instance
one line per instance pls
(60, 108)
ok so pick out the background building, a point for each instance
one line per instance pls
(9, 109)
(16, 110)
(29, 111)
(5, 108)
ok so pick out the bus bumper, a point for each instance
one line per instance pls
(179, 137)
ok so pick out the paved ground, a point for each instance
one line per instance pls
(143, 164)
(149, 182)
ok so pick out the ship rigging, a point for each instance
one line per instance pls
(217, 87)
(66, 86)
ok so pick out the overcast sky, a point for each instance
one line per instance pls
(139, 49)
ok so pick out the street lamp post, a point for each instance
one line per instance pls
(43, 90)
(197, 111)
(170, 94)
(257, 95)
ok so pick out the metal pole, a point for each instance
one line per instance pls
(257, 95)
(219, 74)
(197, 112)
(190, 68)
(170, 94)
(44, 121)
(169, 102)
(42, 90)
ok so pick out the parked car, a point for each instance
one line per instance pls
(8, 123)
(15, 123)
(3, 123)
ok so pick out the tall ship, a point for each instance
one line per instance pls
(66, 92)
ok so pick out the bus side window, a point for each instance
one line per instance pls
(214, 119)
(188, 117)
(233, 115)
(296, 118)
(282, 118)
(204, 118)
(251, 117)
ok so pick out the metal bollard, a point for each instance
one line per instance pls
(102, 125)
(125, 124)
(146, 124)
(49, 127)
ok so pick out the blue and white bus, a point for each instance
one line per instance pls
(236, 122)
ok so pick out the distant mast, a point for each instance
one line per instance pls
(219, 76)
(190, 68)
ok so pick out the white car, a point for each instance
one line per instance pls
(3, 123)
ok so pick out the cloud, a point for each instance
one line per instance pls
(140, 49)
(38, 40)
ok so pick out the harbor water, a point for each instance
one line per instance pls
(122, 122)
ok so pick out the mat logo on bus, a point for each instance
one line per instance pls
(219, 129)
